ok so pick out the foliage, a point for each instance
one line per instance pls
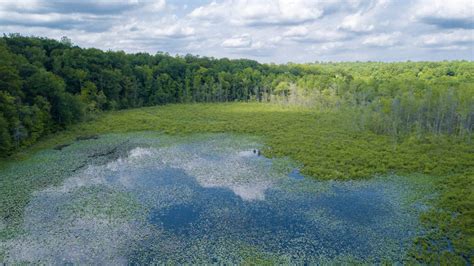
(450, 234)
(396, 99)
(327, 144)
(339, 120)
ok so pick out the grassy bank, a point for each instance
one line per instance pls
(328, 145)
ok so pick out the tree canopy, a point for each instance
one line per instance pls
(46, 85)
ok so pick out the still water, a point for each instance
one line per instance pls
(210, 199)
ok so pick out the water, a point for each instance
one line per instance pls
(212, 199)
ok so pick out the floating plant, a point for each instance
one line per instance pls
(152, 198)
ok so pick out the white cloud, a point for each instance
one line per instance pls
(297, 31)
(156, 26)
(331, 46)
(150, 6)
(313, 33)
(364, 19)
(383, 40)
(265, 12)
(356, 23)
(455, 38)
(447, 14)
(25, 5)
(325, 47)
(326, 35)
(266, 30)
(242, 41)
(174, 31)
(33, 18)
(211, 11)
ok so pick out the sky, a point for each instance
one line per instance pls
(277, 31)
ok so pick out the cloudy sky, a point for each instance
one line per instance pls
(266, 30)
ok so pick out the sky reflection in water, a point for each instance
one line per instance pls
(213, 200)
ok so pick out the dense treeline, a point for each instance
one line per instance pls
(395, 98)
(46, 85)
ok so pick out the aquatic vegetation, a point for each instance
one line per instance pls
(324, 145)
(207, 198)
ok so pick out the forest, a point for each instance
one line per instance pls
(47, 85)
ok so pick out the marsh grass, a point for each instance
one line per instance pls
(327, 145)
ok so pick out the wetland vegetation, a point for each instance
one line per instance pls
(395, 139)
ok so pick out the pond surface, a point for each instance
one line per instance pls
(150, 198)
